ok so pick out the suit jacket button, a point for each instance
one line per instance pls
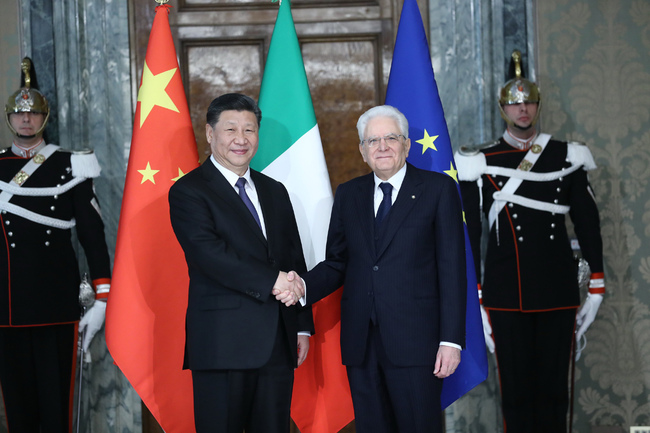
(375, 268)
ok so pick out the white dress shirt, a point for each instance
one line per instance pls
(232, 178)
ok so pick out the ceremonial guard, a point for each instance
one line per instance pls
(524, 184)
(45, 192)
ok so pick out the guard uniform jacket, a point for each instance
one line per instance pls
(39, 272)
(529, 263)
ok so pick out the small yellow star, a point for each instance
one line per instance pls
(452, 171)
(180, 174)
(427, 142)
(147, 174)
(152, 92)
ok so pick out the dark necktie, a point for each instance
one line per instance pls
(384, 206)
(241, 184)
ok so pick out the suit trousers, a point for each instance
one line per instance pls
(533, 356)
(389, 398)
(254, 400)
(37, 377)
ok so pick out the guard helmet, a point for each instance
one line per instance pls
(27, 99)
(519, 90)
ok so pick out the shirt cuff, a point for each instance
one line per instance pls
(303, 300)
(454, 345)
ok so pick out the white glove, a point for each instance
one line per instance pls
(92, 322)
(586, 316)
(487, 330)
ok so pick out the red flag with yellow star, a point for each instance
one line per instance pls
(145, 317)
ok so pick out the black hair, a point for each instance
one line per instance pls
(232, 101)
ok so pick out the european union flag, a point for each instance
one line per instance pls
(412, 89)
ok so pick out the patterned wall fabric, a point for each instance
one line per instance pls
(593, 67)
(594, 70)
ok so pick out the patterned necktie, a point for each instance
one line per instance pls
(386, 202)
(241, 184)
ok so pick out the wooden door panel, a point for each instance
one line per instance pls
(233, 66)
(343, 82)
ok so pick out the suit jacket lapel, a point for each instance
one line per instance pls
(366, 210)
(409, 193)
(220, 186)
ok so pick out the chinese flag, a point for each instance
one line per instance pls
(145, 318)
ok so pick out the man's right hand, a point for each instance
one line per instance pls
(288, 288)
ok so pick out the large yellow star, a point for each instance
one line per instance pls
(152, 92)
(147, 174)
(427, 142)
(452, 172)
(180, 174)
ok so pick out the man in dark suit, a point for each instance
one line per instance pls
(396, 243)
(238, 231)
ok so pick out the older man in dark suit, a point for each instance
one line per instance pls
(238, 231)
(396, 243)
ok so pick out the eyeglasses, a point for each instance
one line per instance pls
(390, 140)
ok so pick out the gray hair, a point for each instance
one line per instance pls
(383, 111)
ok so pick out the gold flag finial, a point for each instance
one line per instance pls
(162, 2)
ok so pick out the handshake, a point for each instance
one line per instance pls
(288, 288)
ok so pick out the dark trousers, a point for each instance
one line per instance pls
(390, 399)
(37, 368)
(255, 400)
(533, 356)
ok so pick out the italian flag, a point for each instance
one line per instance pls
(291, 152)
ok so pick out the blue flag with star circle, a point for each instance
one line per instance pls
(412, 89)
